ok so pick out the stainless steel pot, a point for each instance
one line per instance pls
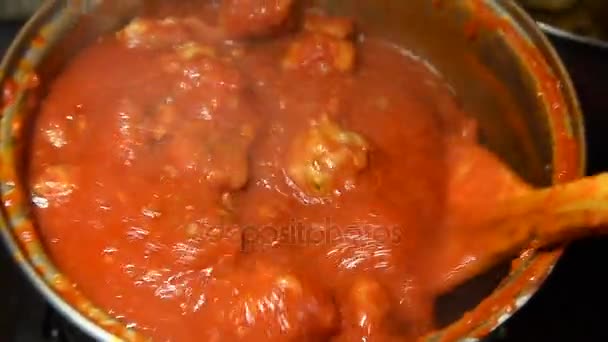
(587, 62)
(18, 10)
(503, 69)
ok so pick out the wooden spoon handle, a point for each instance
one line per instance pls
(540, 218)
(557, 214)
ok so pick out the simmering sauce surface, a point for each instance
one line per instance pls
(238, 172)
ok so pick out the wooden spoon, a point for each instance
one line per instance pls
(539, 218)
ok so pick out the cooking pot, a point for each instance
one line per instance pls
(578, 29)
(587, 62)
(500, 65)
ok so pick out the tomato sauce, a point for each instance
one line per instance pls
(238, 174)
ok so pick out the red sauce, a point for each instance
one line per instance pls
(303, 187)
(8, 93)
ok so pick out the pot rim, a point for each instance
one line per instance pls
(536, 33)
(48, 291)
(471, 327)
(92, 326)
(561, 33)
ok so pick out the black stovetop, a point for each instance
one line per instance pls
(571, 306)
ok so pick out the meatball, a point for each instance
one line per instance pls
(324, 47)
(340, 28)
(368, 303)
(365, 311)
(145, 33)
(153, 33)
(195, 65)
(159, 123)
(320, 53)
(263, 300)
(201, 121)
(327, 158)
(254, 18)
(219, 155)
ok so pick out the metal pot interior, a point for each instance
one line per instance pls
(493, 77)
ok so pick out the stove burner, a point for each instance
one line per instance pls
(56, 329)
